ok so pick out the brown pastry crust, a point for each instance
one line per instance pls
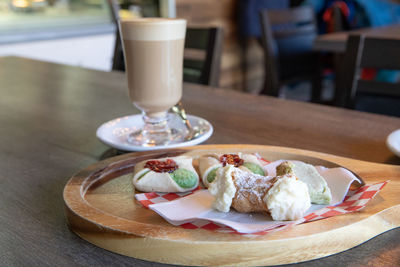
(250, 191)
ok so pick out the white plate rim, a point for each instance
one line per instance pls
(390, 142)
(133, 148)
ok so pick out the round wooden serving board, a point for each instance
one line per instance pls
(100, 208)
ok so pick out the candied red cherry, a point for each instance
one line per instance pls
(168, 165)
(231, 159)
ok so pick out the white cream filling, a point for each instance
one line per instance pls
(223, 188)
(287, 199)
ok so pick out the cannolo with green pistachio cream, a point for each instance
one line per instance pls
(210, 163)
(174, 174)
(317, 186)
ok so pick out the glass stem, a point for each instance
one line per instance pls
(155, 124)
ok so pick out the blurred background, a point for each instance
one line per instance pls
(74, 32)
(83, 32)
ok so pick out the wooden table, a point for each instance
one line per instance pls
(336, 42)
(48, 117)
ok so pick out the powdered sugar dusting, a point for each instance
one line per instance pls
(250, 190)
(249, 180)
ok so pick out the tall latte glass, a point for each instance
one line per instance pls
(153, 50)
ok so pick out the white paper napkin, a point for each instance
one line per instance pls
(198, 205)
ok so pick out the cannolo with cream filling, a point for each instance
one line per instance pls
(283, 197)
(210, 163)
(175, 174)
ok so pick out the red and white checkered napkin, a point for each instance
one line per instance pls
(147, 199)
(354, 201)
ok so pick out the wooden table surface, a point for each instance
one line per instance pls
(336, 42)
(48, 118)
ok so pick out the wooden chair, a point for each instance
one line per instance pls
(118, 56)
(369, 95)
(287, 39)
(202, 58)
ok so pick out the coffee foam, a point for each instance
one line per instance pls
(153, 29)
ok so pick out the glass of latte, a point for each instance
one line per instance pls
(153, 51)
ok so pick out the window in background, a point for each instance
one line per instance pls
(73, 32)
(22, 20)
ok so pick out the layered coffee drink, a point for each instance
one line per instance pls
(153, 50)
